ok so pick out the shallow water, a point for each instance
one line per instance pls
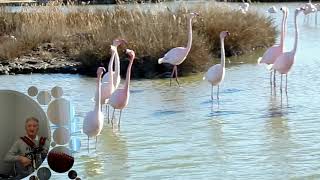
(178, 133)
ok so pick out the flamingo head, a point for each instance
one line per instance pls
(224, 34)
(193, 14)
(100, 71)
(113, 48)
(131, 54)
(284, 9)
(118, 42)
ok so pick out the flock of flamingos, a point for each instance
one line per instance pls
(109, 93)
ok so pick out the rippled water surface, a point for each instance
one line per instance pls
(178, 133)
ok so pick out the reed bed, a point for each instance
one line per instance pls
(85, 34)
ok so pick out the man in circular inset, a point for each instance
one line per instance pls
(29, 151)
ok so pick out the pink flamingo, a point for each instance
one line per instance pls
(107, 88)
(215, 74)
(274, 52)
(285, 61)
(93, 121)
(120, 98)
(177, 55)
(116, 73)
(112, 76)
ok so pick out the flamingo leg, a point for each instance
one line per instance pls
(119, 119)
(172, 74)
(270, 78)
(211, 92)
(286, 83)
(107, 107)
(176, 69)
(112, 118)
(96, 142)
(218, 94)
(274, 78)
(281, 84)
(88, 144)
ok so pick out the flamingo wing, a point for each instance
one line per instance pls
(270, 55)
(119, 99)
(175, 56)
(215, 74)
(116, 79)
(92, 123)
(284, 63)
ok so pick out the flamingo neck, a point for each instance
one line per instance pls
(98, 102)
(117, 65)
(128, 75)
(110, 67)
(282, 36)
(189, 34)
(223, 58)
(296, 35)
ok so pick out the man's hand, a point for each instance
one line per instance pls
(24, 161)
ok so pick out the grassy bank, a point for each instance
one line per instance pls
(85, 36)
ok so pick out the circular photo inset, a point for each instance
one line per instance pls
(60, 159)
(44, 97)
(25, 134)
(33, 177)
(59, 112)
(61, 135)
(72, 174)
(44, 173)
(32, 91)
(57, 92)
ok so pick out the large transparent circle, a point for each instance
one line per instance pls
(15, 108)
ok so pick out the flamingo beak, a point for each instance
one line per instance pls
(228, 33)
(302, 8)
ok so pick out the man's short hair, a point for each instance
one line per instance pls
(32, 119)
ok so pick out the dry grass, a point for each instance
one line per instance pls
(86, 35)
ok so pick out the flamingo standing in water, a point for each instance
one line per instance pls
(274, 52)
(177, 55)
(215, 74)
(120, 98)
(116, 73)
(285, 61)
(93, 121)
(108, 88)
